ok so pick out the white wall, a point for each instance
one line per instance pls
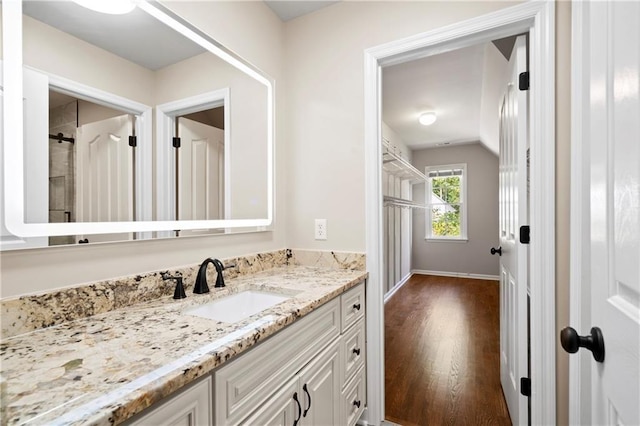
(325, 89)
(252, 30)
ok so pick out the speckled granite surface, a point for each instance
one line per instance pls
(105, 368)
(28, 313)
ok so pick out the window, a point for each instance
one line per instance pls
(445, 198)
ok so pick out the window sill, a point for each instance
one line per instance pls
(447, 240)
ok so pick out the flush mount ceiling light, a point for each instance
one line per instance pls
(427, 118)
(111, 7)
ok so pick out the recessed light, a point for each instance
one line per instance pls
(427, 118)
(111, 7)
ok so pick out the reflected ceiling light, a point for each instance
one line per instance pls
(112, 7)
(427, 118)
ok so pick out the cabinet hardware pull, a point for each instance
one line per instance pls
(295, 398)
(308, 395)
(356, 403)
(356, 306)
(356, 351)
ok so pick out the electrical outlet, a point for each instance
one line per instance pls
(321, 229)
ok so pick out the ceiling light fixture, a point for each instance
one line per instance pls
(427, 118)
(111, 7)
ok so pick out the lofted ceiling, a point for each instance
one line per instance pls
(463, 87)
(449, 84)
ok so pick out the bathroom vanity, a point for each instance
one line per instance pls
(301, 361)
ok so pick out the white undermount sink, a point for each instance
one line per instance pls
(236, 307)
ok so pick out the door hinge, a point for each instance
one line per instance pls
(176, 142)
(523, 81)
(525, 386)
(133, 141)
(525, 234)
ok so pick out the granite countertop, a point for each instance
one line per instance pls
(106, 368)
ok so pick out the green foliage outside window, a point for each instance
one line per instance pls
(445, 217)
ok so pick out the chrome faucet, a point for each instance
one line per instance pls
(201, 285)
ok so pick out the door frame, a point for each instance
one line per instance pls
(165, 158)
(539, 19)
(579, 273)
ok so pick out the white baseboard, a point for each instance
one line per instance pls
(456, 274)
(397, 287)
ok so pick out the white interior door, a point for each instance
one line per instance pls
(200, 171)
(513, 214)
(36, 164)
(105, 174)
(611, 133)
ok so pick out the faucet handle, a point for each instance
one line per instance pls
(178, 293)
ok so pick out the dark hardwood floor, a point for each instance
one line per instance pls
(442, 343)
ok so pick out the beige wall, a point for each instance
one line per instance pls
(472, 256)
(325, 90)
(320, 173)
(252, 30)
(51, 50)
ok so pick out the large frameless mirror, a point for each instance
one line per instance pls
(133, 125)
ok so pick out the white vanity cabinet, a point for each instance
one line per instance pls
(310, 373)
(302, 375)
(191, 407)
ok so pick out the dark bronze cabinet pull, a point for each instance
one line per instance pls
(309, 396)
(356, 306)
(295, 398)
(356, 351)
(357, 403)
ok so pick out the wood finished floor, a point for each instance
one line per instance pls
(442, 342)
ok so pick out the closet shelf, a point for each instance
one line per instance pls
(401, 202)
(398, 166)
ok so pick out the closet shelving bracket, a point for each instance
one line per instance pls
(398, 166)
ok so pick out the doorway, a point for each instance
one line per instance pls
(441, 220)
(538, 20)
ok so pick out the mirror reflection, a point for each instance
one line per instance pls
(91, 169)
(138, 123)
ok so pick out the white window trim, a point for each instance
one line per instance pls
(463, 203)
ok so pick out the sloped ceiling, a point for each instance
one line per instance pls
(454, 85)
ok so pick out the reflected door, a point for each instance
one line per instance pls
(105, 175)
(200, 171)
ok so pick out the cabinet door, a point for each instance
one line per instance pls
(190, 408)
(284, 408)
(320, 388)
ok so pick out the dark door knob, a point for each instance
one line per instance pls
(571, 342)
(496, 250)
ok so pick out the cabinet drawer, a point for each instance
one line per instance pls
(354, 398)
(353, 350)
(245, 383)
(191, 407)
(352, 306)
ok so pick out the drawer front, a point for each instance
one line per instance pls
(353, 350)
(352, 306)
(354, 398)
(245, 383)
(191, 407)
